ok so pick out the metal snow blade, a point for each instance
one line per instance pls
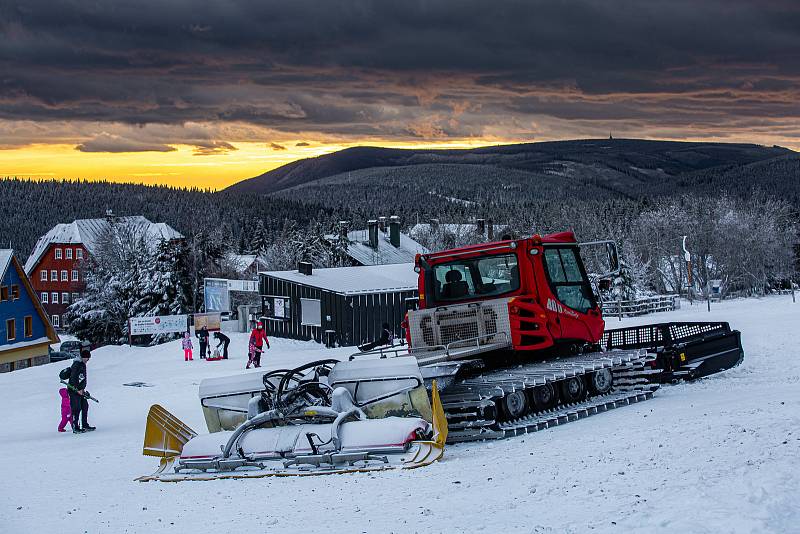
(347, 445)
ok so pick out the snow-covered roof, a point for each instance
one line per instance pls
(243, 262)
(386, 253)
(356, 280)
(87, 232)
(5, 260)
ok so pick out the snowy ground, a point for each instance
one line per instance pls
(719, 455)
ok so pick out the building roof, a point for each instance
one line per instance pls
(5, 260)
(243, 262)
(386, 253)
(87, 232)
(356, 280)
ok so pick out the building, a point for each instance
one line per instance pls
(247, 266)
(58, 263)
(381, 243)
(25, 330)
(345, 305)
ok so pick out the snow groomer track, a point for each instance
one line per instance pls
(471, 405)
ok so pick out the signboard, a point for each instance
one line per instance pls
(276, 307)
(210, 320)
(160, 324)
(216, 295)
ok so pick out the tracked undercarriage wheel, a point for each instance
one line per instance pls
(543, 397)
(515, 404)
(573, 389)
(601, 382)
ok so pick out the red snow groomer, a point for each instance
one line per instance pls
(515, 336)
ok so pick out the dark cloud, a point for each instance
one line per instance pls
(114, 143)
(302, 143)
(276, 146)
(412, 69)
(213, 148)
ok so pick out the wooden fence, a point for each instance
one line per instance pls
(640, 306)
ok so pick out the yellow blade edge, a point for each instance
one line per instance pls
(165, 435)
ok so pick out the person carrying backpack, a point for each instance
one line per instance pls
(77, 400)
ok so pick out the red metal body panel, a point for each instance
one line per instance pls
(538, 319)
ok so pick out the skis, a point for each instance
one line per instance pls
(85, 393)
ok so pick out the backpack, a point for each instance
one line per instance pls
(64, 374)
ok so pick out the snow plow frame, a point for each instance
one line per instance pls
(166, 435)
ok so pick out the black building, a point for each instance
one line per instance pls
(345, 305)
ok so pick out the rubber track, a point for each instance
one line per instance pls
(463, 401)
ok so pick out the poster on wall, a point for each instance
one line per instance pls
(160, 324)
(276, 307)
(216, 295)
(212, 321)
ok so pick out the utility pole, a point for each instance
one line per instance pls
(688, 258)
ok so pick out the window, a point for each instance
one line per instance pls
(69, 253)
(79, 253)
(74, 297)
(3, 293)
(54, 275)
(56, 320)
(43, 275)
(567, 278)
(11, 329)
(58, 253)
(45, 297)
(28, 326)
(14, 292)
(54, 297)
(311, 312)
(64, 276)
(74, 275)
(65, 298)
(490, 276)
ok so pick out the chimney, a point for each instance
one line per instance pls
(480, 226)
(394, 231)
(373, 233)
(382, 224)
(343, 226)
(490, 231)
(305, 267)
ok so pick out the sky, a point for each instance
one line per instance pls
(197, 93)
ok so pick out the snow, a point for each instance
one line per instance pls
(718, 455)
(355, 280)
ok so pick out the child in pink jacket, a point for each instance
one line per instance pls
(66, 410)
(187, 347)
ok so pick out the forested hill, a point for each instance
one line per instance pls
(607, 162)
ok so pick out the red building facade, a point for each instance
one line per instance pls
(59, 278)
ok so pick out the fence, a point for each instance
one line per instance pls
(640, 306)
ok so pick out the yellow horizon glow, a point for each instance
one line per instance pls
(184, 168)
(181, 167)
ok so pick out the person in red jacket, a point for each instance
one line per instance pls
(256, 346)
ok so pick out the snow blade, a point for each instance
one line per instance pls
(166, 437)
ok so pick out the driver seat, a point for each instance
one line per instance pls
(454, 287)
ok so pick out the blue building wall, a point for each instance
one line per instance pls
(18, 310)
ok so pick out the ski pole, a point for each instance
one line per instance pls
(84, 394)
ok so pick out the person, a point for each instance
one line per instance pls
(203, 336)
(385, 339)
(256, 345)
(187, 347)
(223, 341)
(66, 410)
(77, 400)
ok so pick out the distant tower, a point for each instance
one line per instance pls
(610, 137)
